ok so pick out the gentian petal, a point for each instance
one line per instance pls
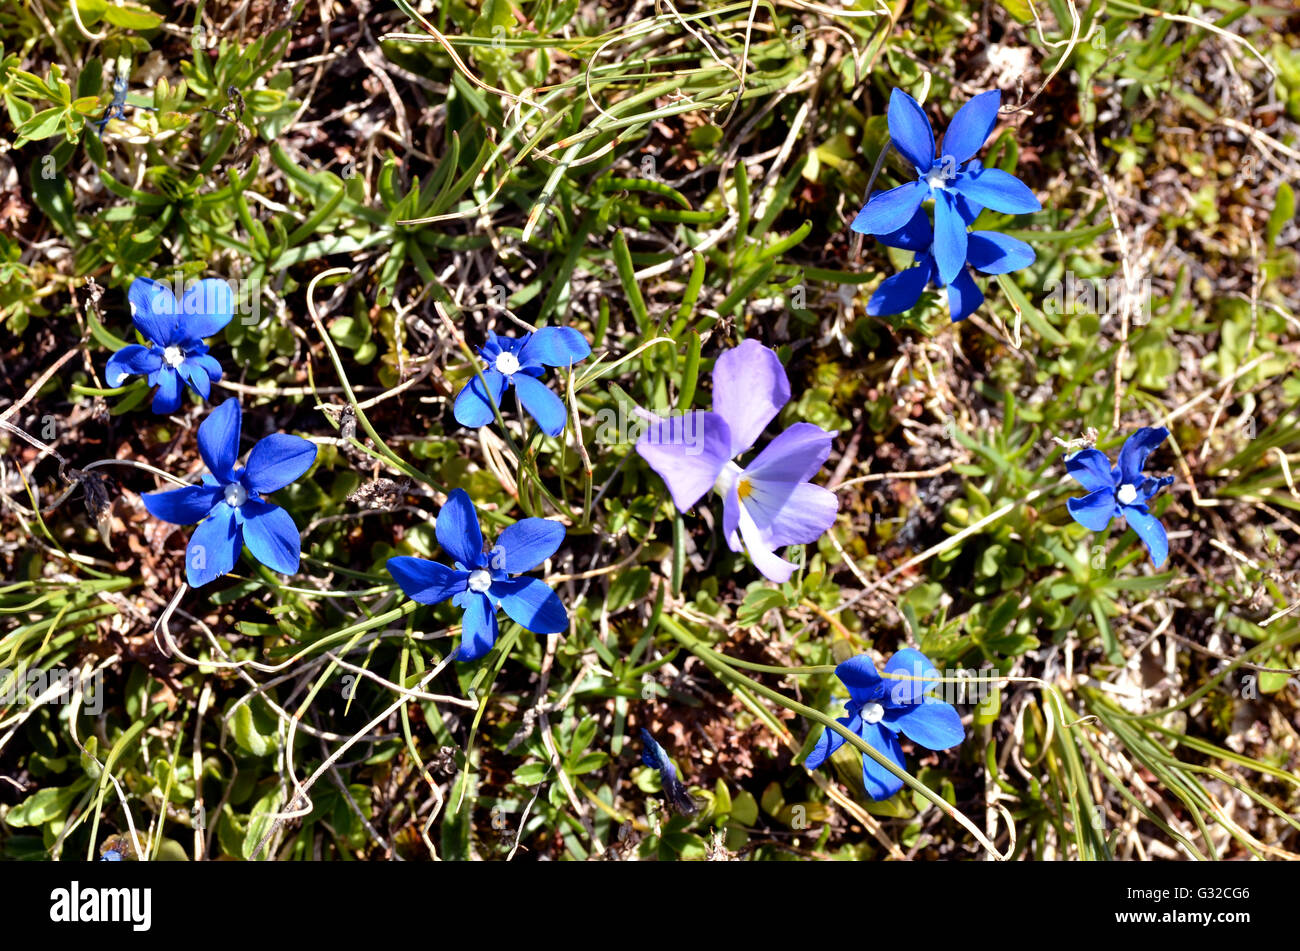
(910, 130)
(276, 461)
(996, 189)
(652, 754)
(914, 664)
(531, 604)
(995, 253)
(932, 723)
(917, 235)
(168, 397)
(899, 293)
(213, 548)
(131, 360)
(1152, 486)
(1148, 529)
(219, 439)
(457, 529)
(888, 211)
(183, 506)
(689, 452)
(1133, 454)
(525, 545)
(1094, 510)
(964, 295)
(196, 376)
(271, 536)
(949, 237)
(209, 363)
(473, 407)
(970, 127)
(880, 783)
(153, 310)
(793, 456)
(831, 740)
(863, 681)
(749, 388)
(478, 630)
(426, 581)
(1091, 469)
(554, 347)
(970, 210)
(541, 404)
(208, 305)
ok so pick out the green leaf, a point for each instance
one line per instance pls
(531, 774)
(582, 736)
(757, 603)
(132, 18)
(1283, 211)
(773, 799)
(23, 83)
(46, 805)
(53, 195)
(744, 810)
(1018, 9)
(259, 820)
(1272, 681)
(247, 735)
(989, 708)
(627, 587)
(42, 125)
(721, 799)
(587, 763)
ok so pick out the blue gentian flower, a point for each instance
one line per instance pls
(653, 755)
(1123, 490)
(175, 352)
(951, 180)
(987, 251)
(878, 708)
(229, 506)
(480, 582)
(520, 361)
(768, 504)
(116, 108)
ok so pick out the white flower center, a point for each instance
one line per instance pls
(935, 178)
(174, 356)
(1127, 494)
(727, 478)
(507, 363)
(873, 712)
(480, 580)
(236, 495)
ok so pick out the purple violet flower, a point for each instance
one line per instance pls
(768, 504)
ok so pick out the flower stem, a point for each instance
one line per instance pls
(80, 390)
